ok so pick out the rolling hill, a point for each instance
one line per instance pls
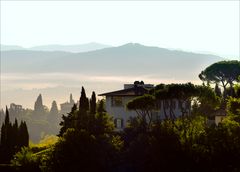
(55, 47)
(128, 59)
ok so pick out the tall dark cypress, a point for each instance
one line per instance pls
(7, 121)
(3, 135)
(5, 130)
(8, 128)
(83, 102)
(15, 135)
(20, 134)
(7, 138)
(15, 125)
(93, 103)
(26, 134)
(23, 134)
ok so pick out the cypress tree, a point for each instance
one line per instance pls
(3, 135)
(15, 125)
(100, 108)
(53, 115)
(7, 138)
(83, 102)
(82, 117)
(20, 134)
(12, 138)
(3, 151)
(15, 133)
(93, 103)
(5, 130)
(38, 106)
(23, 134)
(7, 121)
(8, 128)
(54, 108)
(26, 134)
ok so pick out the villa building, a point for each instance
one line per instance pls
(116, 102)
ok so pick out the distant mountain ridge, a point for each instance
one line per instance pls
(10, 47)
(128, 59)
(56, 47)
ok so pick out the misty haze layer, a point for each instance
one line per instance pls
(56, 74)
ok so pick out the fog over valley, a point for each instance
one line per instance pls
(27, 73)
(24, 88)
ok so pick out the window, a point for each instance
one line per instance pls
(118, 123)
(117, 101)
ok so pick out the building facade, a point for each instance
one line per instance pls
(67, 106)
(116, 102)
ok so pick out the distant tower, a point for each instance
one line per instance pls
(71, 99)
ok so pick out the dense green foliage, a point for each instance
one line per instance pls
(82, 151)
(86, 141)
(25, 160)
(190, 143)
(13, 137)
(143, 106)
(233, 108)
(224, 73)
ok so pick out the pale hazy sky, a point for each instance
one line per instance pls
(210, 26)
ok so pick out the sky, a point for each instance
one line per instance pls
(200, 26)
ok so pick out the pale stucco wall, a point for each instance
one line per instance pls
(122, 112)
